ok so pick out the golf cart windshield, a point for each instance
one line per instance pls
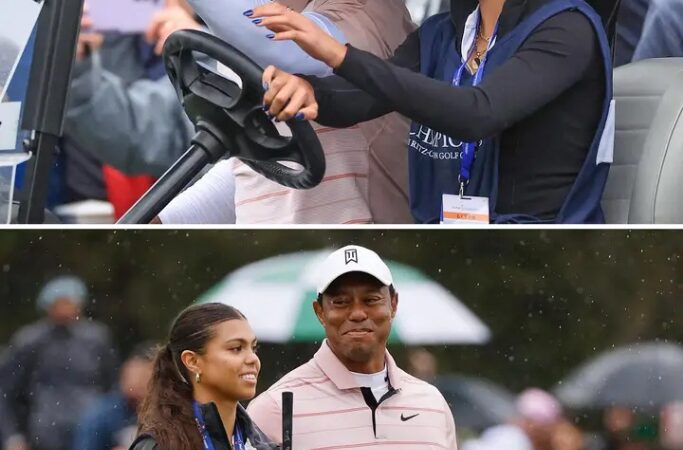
(16, 25)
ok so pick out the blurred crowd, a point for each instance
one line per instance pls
(63, 387)
(537, 420)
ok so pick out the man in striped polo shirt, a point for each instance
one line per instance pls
(352, 394)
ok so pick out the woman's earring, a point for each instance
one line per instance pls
(198, 377)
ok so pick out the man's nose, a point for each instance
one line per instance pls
(358, 312)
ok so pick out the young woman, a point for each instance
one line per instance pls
(366, 179)
(208, 366)
(525, 86)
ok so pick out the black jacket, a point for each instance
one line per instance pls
(254, 436)
(544, 105)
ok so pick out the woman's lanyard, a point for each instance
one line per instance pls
(238, 440)
(470, 148)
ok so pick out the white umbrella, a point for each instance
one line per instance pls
(276, 295)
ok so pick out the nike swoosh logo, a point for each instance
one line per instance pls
(404, 418)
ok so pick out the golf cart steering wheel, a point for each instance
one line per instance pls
(233, 117)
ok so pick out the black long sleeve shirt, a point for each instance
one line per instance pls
(545, 102)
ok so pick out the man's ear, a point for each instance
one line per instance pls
(318, 308)
(394, 305)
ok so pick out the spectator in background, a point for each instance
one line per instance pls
(662, 32)
(566, 436)
(111, 424)
(627, 430)
(538, 415)
(119, 91)
(618, 422)
(123, 110)
(52, 370)
(671, 426)
(422, 364)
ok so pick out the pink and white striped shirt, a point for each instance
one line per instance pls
(330, 411)
(366, 179)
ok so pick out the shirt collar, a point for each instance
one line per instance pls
(342, 377)
(513, 12)
(470, 35)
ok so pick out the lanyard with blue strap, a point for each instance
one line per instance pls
(238, 440)
(470, 148)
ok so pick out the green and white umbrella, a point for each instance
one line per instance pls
(276, 295)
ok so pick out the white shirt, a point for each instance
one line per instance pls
(211, 200)
(377, 382)
(469, 35)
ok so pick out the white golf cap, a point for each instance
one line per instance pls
(352, 258)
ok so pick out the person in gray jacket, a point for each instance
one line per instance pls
(52, 370)
(128, 118)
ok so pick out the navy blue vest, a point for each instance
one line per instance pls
(434, 158)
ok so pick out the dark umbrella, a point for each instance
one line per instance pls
(644, 376)
(476, 403)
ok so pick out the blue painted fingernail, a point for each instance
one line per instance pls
(270, 36)
(249, 12)
(257, 21)
(265, 86)
(265, 107)
(299, 116)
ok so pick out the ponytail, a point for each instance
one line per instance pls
(166, 413)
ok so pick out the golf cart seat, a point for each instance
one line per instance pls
(644, 184)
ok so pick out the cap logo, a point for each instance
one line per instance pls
(350, 255)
